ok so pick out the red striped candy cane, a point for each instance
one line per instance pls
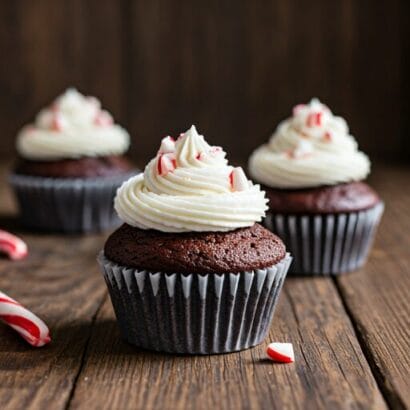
(13, 246)
(26, 323)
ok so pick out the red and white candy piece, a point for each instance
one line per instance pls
(57, 122)
(281, 352)
(26, 323)
(103, 119)
(167, 145)
(12, 246)
(304, 149)
(215, 151)
(166, 163)
(314, 119)
(298, 108)
(238, 180)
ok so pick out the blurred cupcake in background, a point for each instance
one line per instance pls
(312, 172)
(71, 162)
(191, 270)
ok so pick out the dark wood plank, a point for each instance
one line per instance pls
(47, 46)
(330, 369)
(234, 71)
(377, 297)
(60, 282)
(237, 71)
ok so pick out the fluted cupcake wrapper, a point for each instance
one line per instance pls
(67, 205)
(194, 313)
(327, 244)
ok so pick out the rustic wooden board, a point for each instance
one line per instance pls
(60, 282)
(330, 369)
(47, 46)
(350, 335)
(235, 71)
(377, 297)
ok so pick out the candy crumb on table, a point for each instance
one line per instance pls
(281, 352)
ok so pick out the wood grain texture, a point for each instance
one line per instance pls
(60, 282)
(377, 297)
(237, 71)
(330, 370)
(47, 46)
(234, 70)
(350, 335)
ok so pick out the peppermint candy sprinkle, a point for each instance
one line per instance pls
(166, 163)
(238, 180)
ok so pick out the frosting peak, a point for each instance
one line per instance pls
(189, 186)
(73, 126)
(311, 148)
(192, 150)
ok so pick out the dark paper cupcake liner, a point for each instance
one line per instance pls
(327, 244)
(194, 314)
(67, 205)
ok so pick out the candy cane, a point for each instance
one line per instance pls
(26, 323)
(13, 246)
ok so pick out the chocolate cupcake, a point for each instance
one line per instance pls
(318, 203)
(71, 162)
(191, 270)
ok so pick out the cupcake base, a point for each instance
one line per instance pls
(194, 313)
(327, 244)
(69, 205)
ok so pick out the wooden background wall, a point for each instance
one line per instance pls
(234, 68)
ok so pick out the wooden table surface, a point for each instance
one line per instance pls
(351, 335)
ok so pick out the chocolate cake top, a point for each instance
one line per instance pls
(243, 249)
(351, 197)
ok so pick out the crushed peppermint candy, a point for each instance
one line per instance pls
(167, 145)
(166, 163)
(304, 149)
(314, 119)
(103, 119)
(57, 122)
(281, 352)
(238, 180)
(297, 108)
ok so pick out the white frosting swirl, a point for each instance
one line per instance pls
(74, 126)
(312, 148)
(188, 187)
